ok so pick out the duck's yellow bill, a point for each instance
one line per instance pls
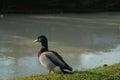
(35, 41)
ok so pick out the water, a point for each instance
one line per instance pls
(84, 40)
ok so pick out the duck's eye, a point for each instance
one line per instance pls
(39, 39)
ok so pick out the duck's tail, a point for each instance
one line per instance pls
(68, 69)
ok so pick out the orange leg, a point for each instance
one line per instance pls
(49, 71)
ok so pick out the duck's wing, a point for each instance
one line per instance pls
(57, 59)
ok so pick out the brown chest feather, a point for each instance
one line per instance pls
(41, 51)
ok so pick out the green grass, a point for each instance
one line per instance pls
(100, 73)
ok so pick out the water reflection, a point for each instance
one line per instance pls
(28, 65)
(6, 67)
(90, 60)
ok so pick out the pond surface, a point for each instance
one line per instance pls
(84, 40)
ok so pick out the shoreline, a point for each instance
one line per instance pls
(100, 73)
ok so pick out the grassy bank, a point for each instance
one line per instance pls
(101, 73)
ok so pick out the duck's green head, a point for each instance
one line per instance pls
(41, 39)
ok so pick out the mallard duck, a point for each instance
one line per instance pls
(51, 59)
